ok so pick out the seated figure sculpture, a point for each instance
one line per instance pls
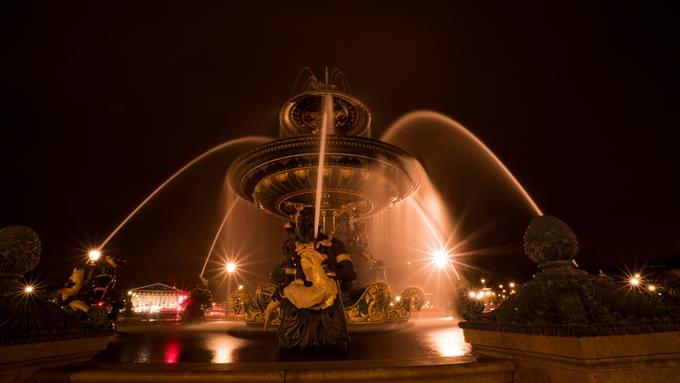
(88, 294)
(312, 313)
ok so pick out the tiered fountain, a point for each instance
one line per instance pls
(326, 159)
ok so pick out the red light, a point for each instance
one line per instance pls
(172, 351)
(100, 304)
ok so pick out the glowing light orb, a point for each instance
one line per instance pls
(94, 255)
(634, 281)
(651, 288)
(28, 289)
(231, 267)
(440, 258)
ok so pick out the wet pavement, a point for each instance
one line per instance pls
(234, 342)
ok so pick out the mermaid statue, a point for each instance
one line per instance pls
(310, 282)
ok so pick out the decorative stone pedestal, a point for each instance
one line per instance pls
(568, 326)
(653, 357)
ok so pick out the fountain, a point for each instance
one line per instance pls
(325, 159)
(565, 325)
(360, 188)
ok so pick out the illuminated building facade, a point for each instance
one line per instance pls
(156, 297)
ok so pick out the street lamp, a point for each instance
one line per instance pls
(635, 280)
(440, 258)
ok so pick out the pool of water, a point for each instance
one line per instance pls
(234, 342)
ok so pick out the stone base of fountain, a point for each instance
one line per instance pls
(652, 357)
(445, 369)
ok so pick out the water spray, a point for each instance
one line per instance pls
(326, 121)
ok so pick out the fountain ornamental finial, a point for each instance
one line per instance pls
(19, 252)
(548, 238)
(302, 114)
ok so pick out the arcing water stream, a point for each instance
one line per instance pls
(218, 233)
(253, 140)
(422, 226)
(413, 119)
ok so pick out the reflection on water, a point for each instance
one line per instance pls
(449, 341)
(172, 350)
(441, 337)
(223, 347)
(233, 342)
(143, 356)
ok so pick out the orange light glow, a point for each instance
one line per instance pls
(440, 258)
(94, 255)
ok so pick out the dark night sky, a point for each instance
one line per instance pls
(101, 102)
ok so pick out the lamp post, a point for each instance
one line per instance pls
(231, 268)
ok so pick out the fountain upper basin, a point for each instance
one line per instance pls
(361, 175)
